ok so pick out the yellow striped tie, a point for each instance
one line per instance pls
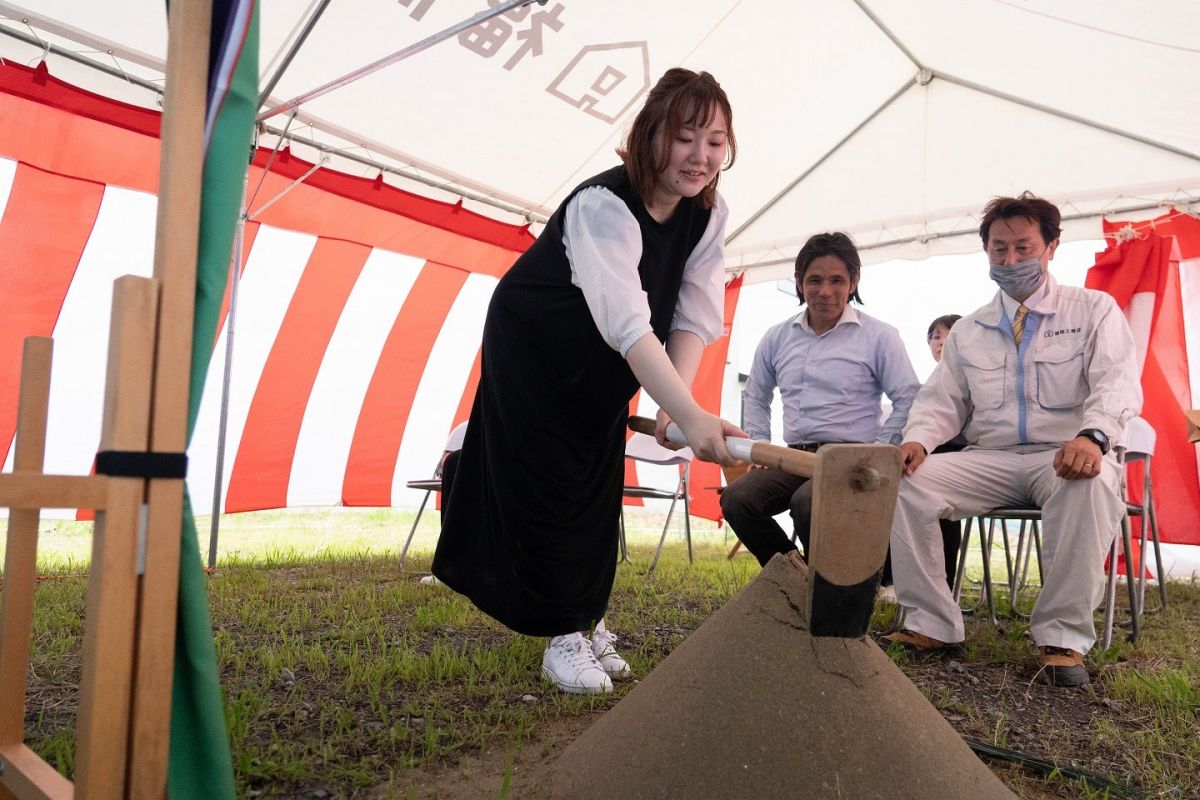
(1018, 323)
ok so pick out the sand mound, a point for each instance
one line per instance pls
(753, 706)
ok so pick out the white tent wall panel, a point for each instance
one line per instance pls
(331, 416)
(268, 282)
(442, 383)
(8, 171)
(81, 333)
(1189, 289)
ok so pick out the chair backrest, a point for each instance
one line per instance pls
(455, 440)
(1139, 439)
(644, 448)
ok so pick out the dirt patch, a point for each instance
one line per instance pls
(522, 766)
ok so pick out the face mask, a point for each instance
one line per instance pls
(1019, 280)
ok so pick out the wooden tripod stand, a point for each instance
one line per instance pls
(129, 639)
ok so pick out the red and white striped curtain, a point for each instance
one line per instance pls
(1152, 269)
(359, 311)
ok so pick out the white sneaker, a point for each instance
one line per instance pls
(603, 641)
(430, 580)
(571, 666)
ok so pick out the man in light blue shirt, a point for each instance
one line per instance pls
(831, 364)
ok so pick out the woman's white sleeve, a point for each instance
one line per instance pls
(604, 246)
(701, 305)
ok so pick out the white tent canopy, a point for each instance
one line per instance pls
(892, 120)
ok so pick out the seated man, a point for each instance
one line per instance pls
(1044, 378)
(831, 364)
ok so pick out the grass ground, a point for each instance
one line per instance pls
(345, 677)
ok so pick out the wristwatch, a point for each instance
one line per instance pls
(1096, 436)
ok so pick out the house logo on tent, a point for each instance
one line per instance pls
(604, 80)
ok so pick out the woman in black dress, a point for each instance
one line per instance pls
(623, 288)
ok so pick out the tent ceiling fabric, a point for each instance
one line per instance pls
(536, 100)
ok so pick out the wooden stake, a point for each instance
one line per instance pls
(31, 778)
(181, 174)
(854, 498)
(31, 491)
(20, 557)
(107, 676)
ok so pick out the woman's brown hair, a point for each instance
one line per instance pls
(680, 98)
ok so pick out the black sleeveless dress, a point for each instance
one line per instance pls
(532, 502)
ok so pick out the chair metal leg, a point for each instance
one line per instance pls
(661, 540)
(1134, 615)
(1009, 573)
(1029, 542)
(412, 531)
(1037, 543)
(1150, 518)
(680, 491)
(962, 559)
(687, 510)
(1153, 517)
(1110, 597)
(624, 554)
(1141, 558)
(1023, 555)
(986, 547)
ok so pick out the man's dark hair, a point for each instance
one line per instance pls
(830, 244)
(1027, 206)
(947, 320)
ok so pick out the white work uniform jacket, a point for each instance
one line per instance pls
(1076, 368)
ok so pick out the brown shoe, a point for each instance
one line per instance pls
(916, 642)
(1062, 667)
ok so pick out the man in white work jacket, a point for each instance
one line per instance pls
(1044, 379)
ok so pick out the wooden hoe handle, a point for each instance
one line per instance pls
(793, 462)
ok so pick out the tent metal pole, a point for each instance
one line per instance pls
(1054, 112)
(62, 52)
(399, 55)
(828, 154)
(235, 270)
(903, 48)
(279, 140)
(445, 186)
(309, 24)
(929, 237)
(286, 190)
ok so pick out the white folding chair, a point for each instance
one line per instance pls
(430, 485)
(641, 447)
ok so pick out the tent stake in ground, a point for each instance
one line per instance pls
(780, 694)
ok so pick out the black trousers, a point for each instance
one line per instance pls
(751, 502)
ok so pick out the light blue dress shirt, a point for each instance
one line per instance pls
(831, 383)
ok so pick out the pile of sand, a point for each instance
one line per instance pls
(753, 706)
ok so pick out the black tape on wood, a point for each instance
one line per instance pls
(133, 464)
(843, 611)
